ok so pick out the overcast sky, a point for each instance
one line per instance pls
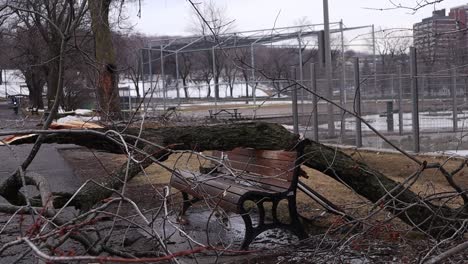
(171, 17)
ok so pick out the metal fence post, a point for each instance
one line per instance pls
(422, 90)
(163, 77)
(357, 103)
(390, 116)
(150, 68)
(301, 72)
(216, 84)
(142, 72)
(5, 82)
(415, 98)
(129, 101)
(315, 124)
(328, 70)
(295, 113)
(400, 101)
(177, 76)
(454, 100)
(253, 85)
(343, 85)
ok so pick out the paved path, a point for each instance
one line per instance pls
(48, 161)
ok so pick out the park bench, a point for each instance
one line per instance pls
(230, 113)
(242, 175)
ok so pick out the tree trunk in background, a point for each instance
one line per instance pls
(35, 82)
(184, 83)
(216, 86)
(246, 79)
(208, 94)
(53, 73)
(108, 78)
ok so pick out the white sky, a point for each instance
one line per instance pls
(172, 17)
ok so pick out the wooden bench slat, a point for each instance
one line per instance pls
(260, 162)
(279, 164)
(239, 185)
(211, 194)
(267, 154)
(242, 186)
(262, 167)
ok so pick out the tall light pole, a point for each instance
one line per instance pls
(328, 69)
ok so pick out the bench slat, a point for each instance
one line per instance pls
(210, 194)
(238, 185)
(278, 164)
(267, 154)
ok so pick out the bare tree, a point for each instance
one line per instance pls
(59, 13)
(230, 73)
(211, 20)
(185, 69)
(107, 78)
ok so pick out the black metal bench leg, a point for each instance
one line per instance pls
(261, 213)
(249, 230)
(274, 211)
(187, 202)
(296, 224)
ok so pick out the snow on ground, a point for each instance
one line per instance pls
(427, 120)
(83, 112)
(71, 119)
(12, 82)
(259, 102)
(194, 90)
(456, 153)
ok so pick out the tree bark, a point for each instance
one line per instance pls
(216, 86)
(184, 83)
(369, 183)
(35, 82)
(53, 73)
(108, 78)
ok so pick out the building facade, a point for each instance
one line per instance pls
(436, 40)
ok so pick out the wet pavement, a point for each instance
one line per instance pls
(48, 161)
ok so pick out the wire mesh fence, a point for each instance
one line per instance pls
(387, 106)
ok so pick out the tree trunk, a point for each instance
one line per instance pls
(53, 74)
(216, 86)
(184, 83)
(35, 84)
(369, 183)
(246, 79)
(108, 78)
(208, 93)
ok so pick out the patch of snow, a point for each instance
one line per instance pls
(194, 90)
(83, 112)
(70, 118)
(456, 153)
(427, 120)
(13, 83)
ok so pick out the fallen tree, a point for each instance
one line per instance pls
(156, 144)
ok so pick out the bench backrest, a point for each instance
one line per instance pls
(271, 164)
